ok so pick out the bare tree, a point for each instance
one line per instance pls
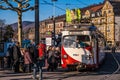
(18, 6)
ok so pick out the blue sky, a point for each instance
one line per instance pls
(47, 10)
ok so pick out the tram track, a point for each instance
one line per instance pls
(107, 71)
(115, 68)
(107, 77)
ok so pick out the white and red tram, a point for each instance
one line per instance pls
(89, 55)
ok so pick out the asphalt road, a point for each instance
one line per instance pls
(109, 70)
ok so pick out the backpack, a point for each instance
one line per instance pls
(31, 49)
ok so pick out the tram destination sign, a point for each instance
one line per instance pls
(79, 32)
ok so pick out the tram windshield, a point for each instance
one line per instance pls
(74, 41)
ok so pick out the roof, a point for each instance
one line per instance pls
(93, 8)
(96, 8)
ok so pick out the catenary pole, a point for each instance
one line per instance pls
(37, 33)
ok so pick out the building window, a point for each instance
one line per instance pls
(83, 16)
(104, 13)
(98, 14)
(93, 15)
(109, 11)
(48, 26)
(108, 29)
(98, 21)
(61, 24)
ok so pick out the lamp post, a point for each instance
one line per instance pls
(36, 22)
(54, 19)
(37, 40)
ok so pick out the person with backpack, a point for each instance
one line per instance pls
(31, 49)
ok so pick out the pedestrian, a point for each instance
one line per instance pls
(9, 56)
(16, 57)
(47, 54)
(41, 50)
(34, 57)
(51, 59)
(31, 49)
(27, 60)
(49, 49)
(57, 57)
(113, 49)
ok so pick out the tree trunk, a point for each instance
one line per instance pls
(20, 28)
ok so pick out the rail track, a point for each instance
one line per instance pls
(107, 77)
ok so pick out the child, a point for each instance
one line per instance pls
(27, 60)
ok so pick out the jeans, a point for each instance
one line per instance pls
(38, 67)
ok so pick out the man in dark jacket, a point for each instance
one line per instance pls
(16, 57)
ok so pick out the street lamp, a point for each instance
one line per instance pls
(37, 39)
(54, 19)
(36, 22)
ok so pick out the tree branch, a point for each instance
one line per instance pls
(8, 3)
(16, 1)
(5, 8)
(30, 8)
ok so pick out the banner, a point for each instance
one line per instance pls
(78, 14)
(68, 15)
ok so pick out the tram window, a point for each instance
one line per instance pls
(70, 41)
(83, 38)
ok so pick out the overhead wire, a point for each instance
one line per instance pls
(82, 2)
(68, 4)
(53, 5)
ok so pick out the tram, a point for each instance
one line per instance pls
(3, 48)
(82, 47)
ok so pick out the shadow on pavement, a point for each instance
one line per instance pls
(108, 67)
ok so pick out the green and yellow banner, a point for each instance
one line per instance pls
(78, 14)
(68, 15)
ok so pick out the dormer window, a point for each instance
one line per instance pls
(93, 15)
(98, 13)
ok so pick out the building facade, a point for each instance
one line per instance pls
(105, 16)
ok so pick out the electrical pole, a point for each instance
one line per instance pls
(37, 37)
(54, 19)
(36, 22)
(37, 41)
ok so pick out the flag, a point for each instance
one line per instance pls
(78, 14)
(68, 16)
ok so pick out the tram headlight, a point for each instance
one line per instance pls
(65, 56)
(89, 57)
